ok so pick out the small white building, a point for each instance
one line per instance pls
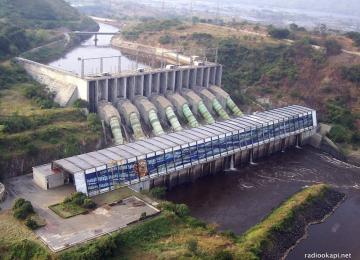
(47, 178)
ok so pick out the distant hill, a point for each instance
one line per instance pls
(346, 7)
(47, 14)
(25, 24)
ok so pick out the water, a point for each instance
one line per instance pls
(237, 200)
(87, 49)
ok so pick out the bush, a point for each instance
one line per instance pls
(279, 33)
(30, 223)
(355, 36)
(223, 255)
(165, 39)
(340, 134)
(89, 203)
(94, 122)
(142, 216)
(332, 47)
(351, 73)
(158, 192)
(182, 210)
(22, 208)
(80, 103)
(192, 245)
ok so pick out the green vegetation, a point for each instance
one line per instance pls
(24, 250)
(332, 47)
(149, 25)
(355, 36)
(166, 39)
(351, 73)
(285, 221)
(344, 129)
(279, 33)
(248, 66)
(22, 208)
(74, 205)
(158, 192)
(27, 24)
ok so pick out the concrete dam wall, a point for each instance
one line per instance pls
(67, 86)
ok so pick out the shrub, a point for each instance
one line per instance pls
(30, 223)
(165, 39)
(158, 192)
(223, 255)
(78, 198)
(351, 73)
(340, 134)
(142, 216)
(182, 210)
(332, 47)
(80, 103)
(279, 33)
(192, 245)
(22, 208)
(94, 122)
(89, 203)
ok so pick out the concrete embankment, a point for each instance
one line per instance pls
(286, 225)
(134, 48)
(67, 86)
(2, 192)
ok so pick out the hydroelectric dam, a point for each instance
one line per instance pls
(169, 125)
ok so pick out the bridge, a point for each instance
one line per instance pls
(95, 34)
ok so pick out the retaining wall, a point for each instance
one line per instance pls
(67, 86)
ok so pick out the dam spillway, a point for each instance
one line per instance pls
(142, 164)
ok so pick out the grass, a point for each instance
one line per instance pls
(252, 241)
(17, 241)
(67, 210)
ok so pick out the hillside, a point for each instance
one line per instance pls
(263, 71)
(33, 129)
(27, 24)
(348, 7)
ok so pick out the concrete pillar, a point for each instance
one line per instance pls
(155, 83)
(147, 85)
(138, 86)
(179, 80)
(163, 82)
(193, 73)
(106, 90)
(171, 80)
(130, 87)
(185, 78)
(97, 89)
(121, 88)
(199, 76)
(213, 75)
(206, 77)
(218, 75)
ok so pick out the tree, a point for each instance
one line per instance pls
(332, 47)
(279, 33)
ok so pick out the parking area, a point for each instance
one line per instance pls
(59, 233)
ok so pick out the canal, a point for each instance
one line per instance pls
(71, 61)
(237, 200)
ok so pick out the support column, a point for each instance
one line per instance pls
(218, 75)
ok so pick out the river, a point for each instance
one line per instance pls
(70, 61)
(237, 200)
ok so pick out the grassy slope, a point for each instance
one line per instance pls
(168, 236)
(55, 132)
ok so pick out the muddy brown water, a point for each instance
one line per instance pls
(237, 200)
